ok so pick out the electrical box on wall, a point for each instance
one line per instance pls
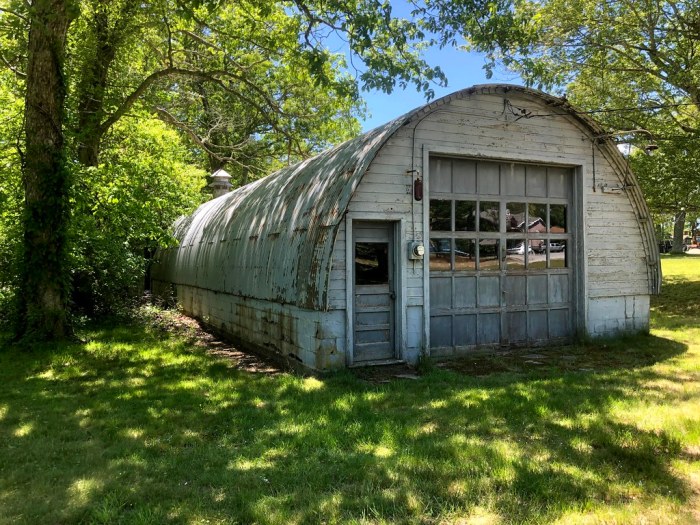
(416, 250)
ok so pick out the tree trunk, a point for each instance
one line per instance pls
(92, 88)
(43, 293)
(678, 227)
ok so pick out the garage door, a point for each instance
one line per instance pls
(501, 238)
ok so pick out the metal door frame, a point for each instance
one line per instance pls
(397, 226)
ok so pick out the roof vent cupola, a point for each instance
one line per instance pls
(220, 183)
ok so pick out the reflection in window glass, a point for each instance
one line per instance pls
(557, 254)
(440, 215)
(537, 260)
(440, 254)
(515, 217)
(557, 218)
(489, 254)
(516, 250)
(537, 218)
(465, 254)
(371, 263)
(465, 216)
(488, 218)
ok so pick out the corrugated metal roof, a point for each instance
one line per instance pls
(273, 238)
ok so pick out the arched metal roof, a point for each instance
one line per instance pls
(273, 239)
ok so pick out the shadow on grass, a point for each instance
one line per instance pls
(678, 304)
(599, 355)
(138, 428)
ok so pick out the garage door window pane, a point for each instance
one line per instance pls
(516, 249)
(537, 218)
(465, 254)
(440, 215)
(557, 218)
(489, 254)
(440, 254)
(488, 217)
(515, 217)
(465, 216)
(557, 254)
(538, 259)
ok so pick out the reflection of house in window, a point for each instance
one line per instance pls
(488, 218)
(516, 223)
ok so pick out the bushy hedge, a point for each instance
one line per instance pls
(122, 211)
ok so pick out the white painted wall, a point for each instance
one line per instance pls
(614, 294)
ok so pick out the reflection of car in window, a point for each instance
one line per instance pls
(488, 248)
(440, 246)
(553, 247)
(519, 249)
(557, 247)
(443, 247)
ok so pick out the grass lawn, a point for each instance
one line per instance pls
(140, 426)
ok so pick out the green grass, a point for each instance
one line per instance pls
(139, 426)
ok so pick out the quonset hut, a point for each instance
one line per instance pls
(495, 216)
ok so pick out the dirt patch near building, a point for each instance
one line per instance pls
(195, 332)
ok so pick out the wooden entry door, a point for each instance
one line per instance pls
(373, 291)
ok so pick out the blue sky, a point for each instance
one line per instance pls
(463, 69)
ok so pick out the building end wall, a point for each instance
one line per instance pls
(610, 316)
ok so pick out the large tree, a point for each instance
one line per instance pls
(267, 61)
(671, 184)
(632, 64)
(46, 182)
(187, 61)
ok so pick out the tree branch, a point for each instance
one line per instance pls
(14, 13)
(213, 76)
(169, 118)
(20, 74)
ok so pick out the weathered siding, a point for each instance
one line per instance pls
(613, 315)
(273, 239)
(613, 262)
(269, 260)
(336, 285)
(311, 338)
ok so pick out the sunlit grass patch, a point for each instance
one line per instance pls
(140, 426)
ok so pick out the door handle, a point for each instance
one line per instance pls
(392, 295)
